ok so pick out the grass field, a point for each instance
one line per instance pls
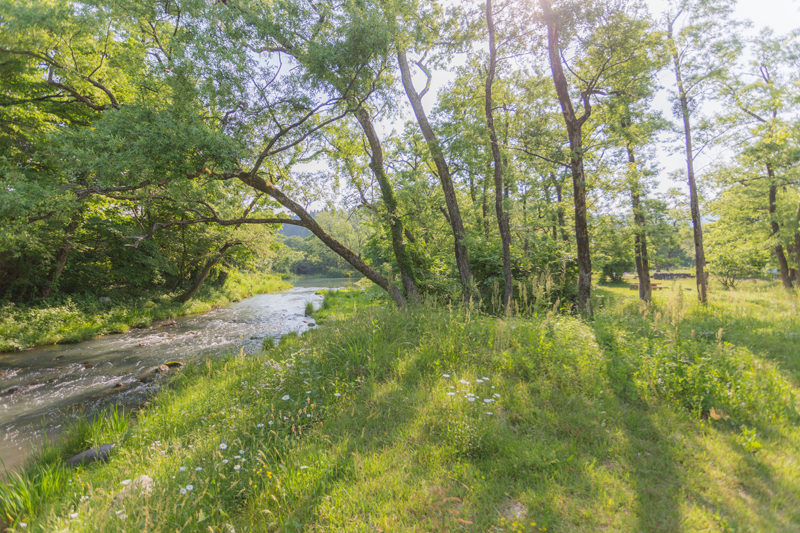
(669, 417)
(75, 319)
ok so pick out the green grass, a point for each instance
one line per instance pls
(342, 304)
(645, 419)
(80, 318)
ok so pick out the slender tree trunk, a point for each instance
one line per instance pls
(446, 180)
(395, 224)
(783, 264)
(203, 274)
(485, 207)
(560, 210)
(574, 130)
(525, 221)
(797, 244)
(699, 250)
(640, 237)
(472, 188)
(502, 218)
(312, 225)
(61, 257)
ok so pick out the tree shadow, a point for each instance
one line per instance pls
(664, 474)
(652, 458)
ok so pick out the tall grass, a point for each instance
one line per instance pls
(77, 318)
(445, 419)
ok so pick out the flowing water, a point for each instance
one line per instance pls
(43, 389)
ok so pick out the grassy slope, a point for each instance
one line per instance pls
(79, 319)
(601, 426)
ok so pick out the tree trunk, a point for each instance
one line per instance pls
(797, 244)
(525, 221)
(640, 238)
(309, 222)
(395, 224)
(502, 218)
(485, 207)
(61, 257)
(442, 169)
(203, 275)
(560, 209)
(699, 251)
(574, 130)
(783, 264)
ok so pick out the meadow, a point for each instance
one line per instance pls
(68, 319)
(661, 417)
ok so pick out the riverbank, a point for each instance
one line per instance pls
(68, 320)
(671, 417)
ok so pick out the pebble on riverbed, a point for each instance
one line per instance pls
(164, 369)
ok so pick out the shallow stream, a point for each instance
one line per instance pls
(42, 390)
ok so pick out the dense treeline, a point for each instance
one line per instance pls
(151, 144)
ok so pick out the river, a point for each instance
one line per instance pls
(44, 389)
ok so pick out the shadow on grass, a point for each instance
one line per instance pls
(666, 475)
(657, 479)
(763, 337)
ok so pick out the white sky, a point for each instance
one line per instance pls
(780, 15)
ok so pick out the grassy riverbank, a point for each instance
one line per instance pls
(65, 320)
(662, 418)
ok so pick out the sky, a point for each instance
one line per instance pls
(780, 15)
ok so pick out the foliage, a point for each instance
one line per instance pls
(612, 251)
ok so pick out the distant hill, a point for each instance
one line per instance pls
(290, 230)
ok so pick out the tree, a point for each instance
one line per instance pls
(633, 126)
(763, 99)
(607, 37)
(415, 19)
(699, 49)
(502, 218)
